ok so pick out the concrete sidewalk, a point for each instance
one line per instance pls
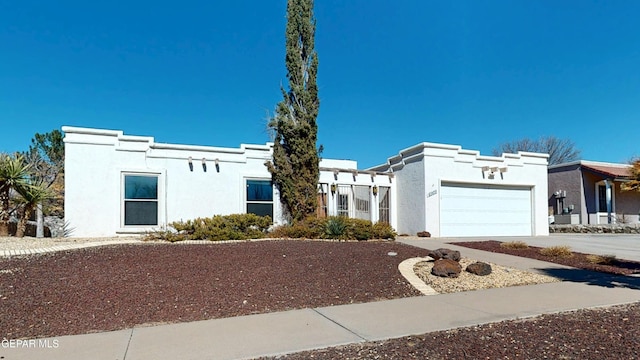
(291, 331)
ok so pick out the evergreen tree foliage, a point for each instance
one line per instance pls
(295, 164)
(46, 157)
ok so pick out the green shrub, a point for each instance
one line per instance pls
(164, 235)
(300, 230)
(514, 245)
(334, 227)
(383, 230)
(359, 229)
(221, 227)
(557, 251)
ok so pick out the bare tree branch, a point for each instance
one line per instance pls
(559, 150)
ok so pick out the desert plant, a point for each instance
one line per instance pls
(67, 230)
(383, 230)
(336, 227)
(299, 230)
(30, 196)
(556, 251)
(514, 245)
(164, 235)
(14, 174)
(601, 259)
(359, 229)
(227, 227)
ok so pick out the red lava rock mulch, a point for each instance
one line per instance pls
(116, 287)
(578, 260)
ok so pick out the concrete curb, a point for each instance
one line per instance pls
(406, 269)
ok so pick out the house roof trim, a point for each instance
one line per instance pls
(614, 170)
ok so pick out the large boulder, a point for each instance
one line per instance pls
(479, 268)
(446, 268)
(445, 254)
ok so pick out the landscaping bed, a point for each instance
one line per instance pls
(607, 333)
(117, 287)
(576, 260)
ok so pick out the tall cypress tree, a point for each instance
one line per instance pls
(294, 168)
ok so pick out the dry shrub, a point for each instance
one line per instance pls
(557, 251)
(601, 259)
(514, 245)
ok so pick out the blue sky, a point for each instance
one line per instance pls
(392, 73)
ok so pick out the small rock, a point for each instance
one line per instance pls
(479, 268)
(446, 268)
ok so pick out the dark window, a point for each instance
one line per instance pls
(140, 200)
(602, 198)
(260, 197)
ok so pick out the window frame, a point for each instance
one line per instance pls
(123, 201)
(246, 195)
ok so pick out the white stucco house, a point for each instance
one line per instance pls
(453, 192)
(117, 184)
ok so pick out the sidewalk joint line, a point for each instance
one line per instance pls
(128, 343)
(340, 325)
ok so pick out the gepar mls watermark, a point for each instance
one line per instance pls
(29, 343)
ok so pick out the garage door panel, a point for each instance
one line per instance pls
(481, 210)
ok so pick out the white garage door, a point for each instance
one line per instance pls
(482, 210)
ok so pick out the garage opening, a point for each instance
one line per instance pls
(485, 210)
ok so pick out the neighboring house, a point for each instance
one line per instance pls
(588, 192)
(118, 184)
(453, 192)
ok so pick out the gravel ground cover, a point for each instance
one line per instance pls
(603, 333)
(15, 243)
(501, 276)
(578, 260)
(116, 287)
(606, 333)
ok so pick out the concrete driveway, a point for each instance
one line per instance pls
(623, 246)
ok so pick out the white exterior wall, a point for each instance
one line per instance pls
(409, 174)
(96, 159)
(419, 201)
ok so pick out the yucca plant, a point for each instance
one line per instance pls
(30, 196)
(14, 174)
(336, 227)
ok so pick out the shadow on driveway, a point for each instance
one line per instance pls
(594, 278)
